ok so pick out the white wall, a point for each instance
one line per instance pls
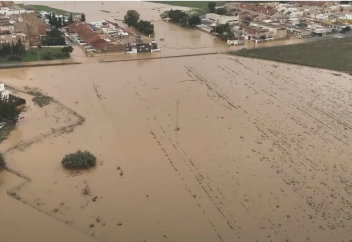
(221, 19)
(348, 16)
(8, 11)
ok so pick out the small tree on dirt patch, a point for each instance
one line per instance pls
(79, 160)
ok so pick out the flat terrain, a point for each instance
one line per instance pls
(333, 54)
(38, 8)
(190, 4)
(32, 55)
(262, 154)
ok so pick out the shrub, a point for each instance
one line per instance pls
(79, 160)
(14, 58)
(39, 46)
(2, 160)
(47, 56)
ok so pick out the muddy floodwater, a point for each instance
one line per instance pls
(262, 153)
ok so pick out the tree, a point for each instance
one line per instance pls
(221, 11)
(79, 160)
(177, 15)
(145, 27)
(211, 7)
(59, 23)
(194, 20)
(83, 17)
(2, 161)
(70, 19)
(67, 49)
(346, 29)
(8, 110)
(221, 28)
(131, 18)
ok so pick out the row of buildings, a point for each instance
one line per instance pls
(279, 20)
(17, 23)
(106, 36)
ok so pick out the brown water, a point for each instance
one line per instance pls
(262, 153)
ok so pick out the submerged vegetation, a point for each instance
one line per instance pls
(79, 160)
(38, 97)
(328, 54)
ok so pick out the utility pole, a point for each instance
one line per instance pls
(177, 128)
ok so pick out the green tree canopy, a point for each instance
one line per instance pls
(194, 20)
(2, 161)
(211, 7)
(79, 160)
(176, 15)
(8, 110)
(145, 27)
(131, 18)
(221, 11)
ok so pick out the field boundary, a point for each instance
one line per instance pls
(286, 62)
(165, 57)
(12, 192)
(21, 65)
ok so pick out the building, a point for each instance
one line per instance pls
(31, 27)
(348, 16)
(6, 26)
(11, 11)
(273, 30)
(297, 31)
(219, 19)
(268, 11)
(253, 32)
(87, 35)
(315, 5)
(3, 92)
(248, 17)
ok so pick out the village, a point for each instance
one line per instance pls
(233, 22)
(273, 20)
(34, 29)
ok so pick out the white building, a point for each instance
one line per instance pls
(3, 92)
(348, 16)
(11, 11)
(219, 19)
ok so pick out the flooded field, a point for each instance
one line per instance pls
(262, 153)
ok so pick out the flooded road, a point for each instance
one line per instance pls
(262, 152)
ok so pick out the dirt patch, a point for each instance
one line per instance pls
(38, 97)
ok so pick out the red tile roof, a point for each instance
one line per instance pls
(258, 8)
(101, 46)
(93, 39)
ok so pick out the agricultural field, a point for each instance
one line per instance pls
(333, 54)
(241, 149)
